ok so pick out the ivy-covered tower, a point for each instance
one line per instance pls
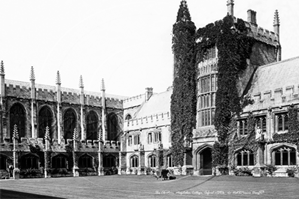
(183, 99)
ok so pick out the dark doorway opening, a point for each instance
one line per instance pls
(206, 161)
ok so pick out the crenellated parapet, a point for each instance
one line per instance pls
(148, 121)
(134, 101)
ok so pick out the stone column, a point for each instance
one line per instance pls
(58, 96)
(33, 96)
(75, 163)
(46, 154)
(100, 159)
(16, 170)
(81, 108)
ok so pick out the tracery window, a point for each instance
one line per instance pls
(59, 161)
(45, 119)
(109, 161)
(112, 126)
(92, 126)
(17, 116)
(261, 123)
(284, 156)
(281, 122)
(245, 158)
(29, 162)
(242, 127)
(134, 161)
(85, 161)
(69, 124)
(152, 161)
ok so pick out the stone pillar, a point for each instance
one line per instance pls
(16, 171)
(33, 97)
(75, 163)
(100, 159)
(103, 111)
(58, 98)
(46, 154)
(81, 108)
(2, 96)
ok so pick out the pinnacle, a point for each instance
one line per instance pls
(102, 85)
(58, 81)
(81, 82)
(2, 68)
(32, 76)
(276, 18)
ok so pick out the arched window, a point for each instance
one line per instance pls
(92, 126)
(129, 140)
(149, 138)
(29, 162)
(134, 161)
(157, 137)
(85, 161)
(69, 124)
(170, 161)
(112, 127)
(245, 158)
(284, 156)
(59, 161)
(17, 116)
(45, 119)
(128, 117)
(109, 161)
(136, 139)
(152, 161)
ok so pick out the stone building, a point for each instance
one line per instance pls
(66, 131)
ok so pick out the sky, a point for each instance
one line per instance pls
(128, 43)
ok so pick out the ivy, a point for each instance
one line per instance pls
(292, 136)
(183, 99)
(234, 48)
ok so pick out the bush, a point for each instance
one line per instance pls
(30, 172)
(291, 171)
(4, 174)
(245, 171)
(270, 169)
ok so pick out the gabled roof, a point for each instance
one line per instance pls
(158, 103)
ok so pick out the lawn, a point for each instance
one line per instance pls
(131, 186)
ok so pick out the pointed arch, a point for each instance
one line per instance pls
(113, 127)
(45, 118)
(70, 123)
(17, 115)
(92, 126)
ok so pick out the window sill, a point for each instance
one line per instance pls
(282, 132)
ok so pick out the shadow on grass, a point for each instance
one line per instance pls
(16, 194)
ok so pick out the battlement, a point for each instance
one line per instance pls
(148, 121)
(134, 101)
(261, 34)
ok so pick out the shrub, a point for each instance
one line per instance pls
(4, 174)
(291, 171)
(245, 171)
(270, 169)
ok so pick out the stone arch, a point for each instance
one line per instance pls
(113, 127)
(203, 160)
(128, 117)
(45, 118)
(17, 115)
(29, 161)
(86, 161)
(92, 125)
(59, 161)
(291, 159)
(152, 160)
(69, 122)
(5, 161)
(134, 160)
(109, 160)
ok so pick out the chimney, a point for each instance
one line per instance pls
(252, 17)
(230, 5)
(149, 93)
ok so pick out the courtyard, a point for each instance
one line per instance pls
(132, 186)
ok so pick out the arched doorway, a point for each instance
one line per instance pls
(206, 161)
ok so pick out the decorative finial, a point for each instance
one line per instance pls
(276, 18)
(15, 132)
(81, 82)
(58, 81)
(32, 76)
(102, 85)
(2, 68)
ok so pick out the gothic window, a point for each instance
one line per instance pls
(152, 161)
(109, 161)
(29, 162)
(45, 119)
(134, 161)
(261, 123)
(59, 161)
(284, 156)
(92, 126)
(17, 116)
(170, 161)
(157, 137)
(206, 100)
(85, 161)
(129, 140)
(149, 138)
(128, 117)
(136, 139)
(69, 124)
(281, 122)
(245, 158)
(242, 127)
(112, 126)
